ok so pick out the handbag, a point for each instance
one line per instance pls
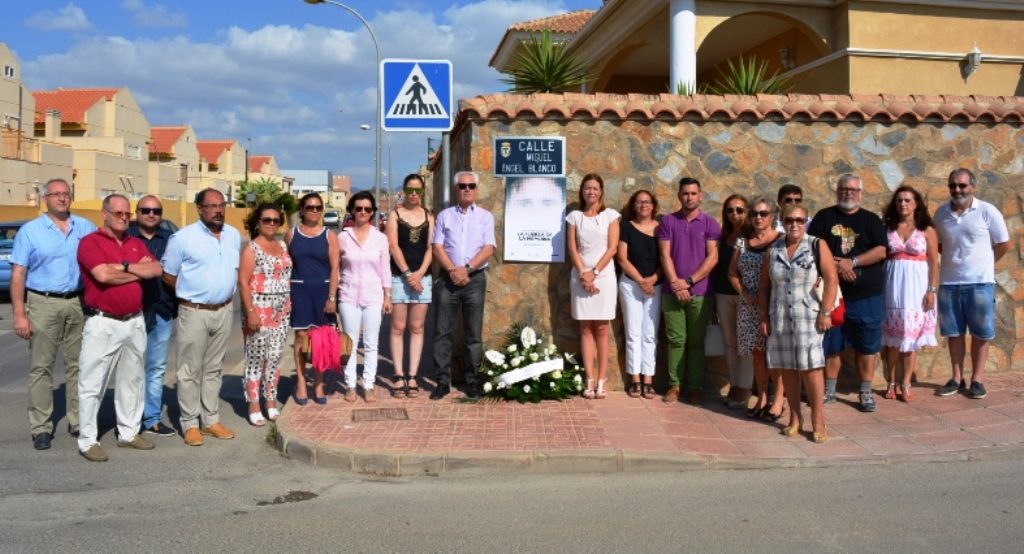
(838, 312)
(326, 344)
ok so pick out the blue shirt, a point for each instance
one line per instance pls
(157, 297)
(206, 268)
(464, 233)
(50, 256)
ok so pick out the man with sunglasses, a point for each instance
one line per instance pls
(788, 194)
(46, 290)
(972, 236)
(859, 242)
(159, 310)
(201, 265)
(113, 264)
(463, 242)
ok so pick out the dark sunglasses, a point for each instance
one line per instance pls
(271, 220)
(362, 209)
(151, 211)
(467, 186)
(760, 213)
(959, 186)
(313, 208)
(413, 190)
(797, 220)
(737, 210)
(792, 200)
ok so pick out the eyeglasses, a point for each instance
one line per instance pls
(643, 203)
(119, 215)
(792, 200)
(760, 213)
(797, 220)
(737, 210)
(958, 186)
(271, 220)
(467, 186)
(413, 190)
(220, 206)
(904, 200)
(362, 209)
(313, 208)
(58, 195)
(151, 211)
(846, 190)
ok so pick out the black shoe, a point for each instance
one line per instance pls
(473, 392)
(440, 392)
(73, 431)
(977, 390)
(42, 441)
(949, 389)
(161, 430)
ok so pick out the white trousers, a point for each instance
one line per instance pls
(367, 319)
(641, 315)
(111, 345)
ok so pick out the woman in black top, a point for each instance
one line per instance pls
(409, 232)
(639, 290)
(727, 302)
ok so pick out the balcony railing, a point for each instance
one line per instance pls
(15, 146)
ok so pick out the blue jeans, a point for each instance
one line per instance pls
(968, 307)
(157, 341)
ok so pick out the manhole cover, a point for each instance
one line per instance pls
(380, 414)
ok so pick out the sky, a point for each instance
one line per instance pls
(290, 79)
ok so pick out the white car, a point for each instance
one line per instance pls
(331, 218)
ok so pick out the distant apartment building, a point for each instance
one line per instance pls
(174, 159)
(341, 189)
(222, 166)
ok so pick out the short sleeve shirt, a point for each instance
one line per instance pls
(688, 245)
(849, 235)
(206, 267)
(99, 248)
(641, 249)
(464, 232)
(967, 239)
(49, 255)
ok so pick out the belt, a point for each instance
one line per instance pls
(72, 294)
(207, 307)
(101, 313)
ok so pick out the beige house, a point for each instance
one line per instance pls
(341, 188)
(108, 133)
(173, 160)
(25, 162)
(958, 47)
(222, 164)
(264, 167)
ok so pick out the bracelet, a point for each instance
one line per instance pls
(331, 298)
(854, 261)
(933, 289)
(406, 273)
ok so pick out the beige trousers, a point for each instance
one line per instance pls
(119, 347)
(201, 338)
(56, 323)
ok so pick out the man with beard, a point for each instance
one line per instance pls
(201, 265)
(160, 309)
(113, 264)
(973, 237)
(858, 241)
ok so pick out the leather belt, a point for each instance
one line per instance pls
(72, 294)
(91, 312)
(207, 307)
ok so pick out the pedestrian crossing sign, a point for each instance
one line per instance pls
(416, 95)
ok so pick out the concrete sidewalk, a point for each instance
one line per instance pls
(404, 437)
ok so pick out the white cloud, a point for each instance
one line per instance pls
(69, 18)
(154, 15)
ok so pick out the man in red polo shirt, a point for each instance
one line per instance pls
(113, 263)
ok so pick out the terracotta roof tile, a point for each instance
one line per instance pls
(72, 103)
(570, 22)
(210, 150)
(162, 139)
(813, 107)
(256, 163)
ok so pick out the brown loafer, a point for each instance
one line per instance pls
(218, 431)
(193, 437)
(672, 395)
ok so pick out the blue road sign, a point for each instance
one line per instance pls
(416, 95)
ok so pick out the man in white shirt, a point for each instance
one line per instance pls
(973, 237)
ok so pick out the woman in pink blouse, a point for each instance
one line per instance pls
(365, 289)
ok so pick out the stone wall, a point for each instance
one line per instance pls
(750, 146)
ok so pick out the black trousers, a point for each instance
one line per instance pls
(470, 301)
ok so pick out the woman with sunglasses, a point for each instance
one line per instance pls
(263, 287)
(912, 280)
(745, 275)
(314, 280)
(727, 303)
(409, 231)
(793, 316)
(365, 290)
(640, 289)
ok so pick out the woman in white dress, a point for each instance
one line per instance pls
(593, 239)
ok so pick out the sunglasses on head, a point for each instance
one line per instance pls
(151, 211)
(271, 220)
(467, 186)
(313, 208)
(362, 209)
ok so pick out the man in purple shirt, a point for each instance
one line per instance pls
(688, 246)
(463, 242)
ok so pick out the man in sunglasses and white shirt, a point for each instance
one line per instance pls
(159, 310)
(789, 194)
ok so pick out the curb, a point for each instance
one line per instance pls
(378, 463)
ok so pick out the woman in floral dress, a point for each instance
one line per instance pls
(912, 275)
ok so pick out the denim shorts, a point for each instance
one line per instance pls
(402, 293)
(861, 329)
(968, 307)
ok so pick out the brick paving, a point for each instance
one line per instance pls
(622, 433)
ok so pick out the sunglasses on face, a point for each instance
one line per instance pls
(362, 209)
(120, 215)
(737, 210)
(467, 186)
(151, 211)
(413, 190)
(271, 220)
(958, 186)
(792, 200)
(313, 208)
(904, 200)
(760, 213)
(796, 220)
(849, 191)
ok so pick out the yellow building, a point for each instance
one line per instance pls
(174, 159)
(25, 162)
(955, 47)
(222, 164)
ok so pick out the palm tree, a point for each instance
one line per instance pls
(543, 66)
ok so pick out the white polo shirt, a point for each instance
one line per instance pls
(967, 239)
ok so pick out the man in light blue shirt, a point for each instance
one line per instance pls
(46, 290)
(201, 265)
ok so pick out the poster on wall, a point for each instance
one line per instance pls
(535, 219)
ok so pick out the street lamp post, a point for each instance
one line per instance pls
(376, 46)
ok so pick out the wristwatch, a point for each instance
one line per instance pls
(933, 289)
(469, 268)
(689, 281)
(125, 266)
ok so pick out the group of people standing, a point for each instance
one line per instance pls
(773, 277)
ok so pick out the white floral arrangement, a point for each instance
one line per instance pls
(527, 370)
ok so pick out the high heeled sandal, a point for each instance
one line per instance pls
(906, 394)
(273, 413)
(820, 437)
(589, 393)
(256, 419)
(767, 415)
(400, 391)
(634, 390)
(412, 389)
(599, 393)
(648, 391)
(890, 391)
(792, 430)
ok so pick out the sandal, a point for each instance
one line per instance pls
(273, 413)
(906, 394)
(589, 393)
(400, 391)
(890, 391)
(412, 389)
(648, 391)
(256, 419)
(634, 390)
(599, 393)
